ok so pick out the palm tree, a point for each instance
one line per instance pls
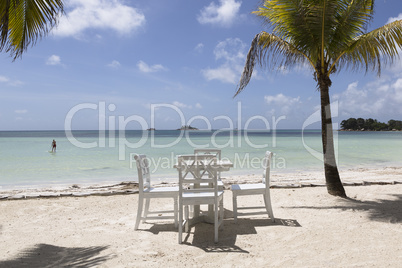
(326, 35)
(23, 22)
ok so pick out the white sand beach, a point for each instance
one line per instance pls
(312, 229)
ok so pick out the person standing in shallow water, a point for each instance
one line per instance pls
(53, 146)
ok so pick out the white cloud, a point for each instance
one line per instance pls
(53, 60)
(99, 14)
(181, 105)
(396, 66)
(199, 47)
(354, 101)
(223, 73)
(397, 87)
(397, 84)
(280, 99)
(8, 81)
(231, 52)
(232, 49)
(284, 103)
(224, 14)
(379, 99)
(353, 92)
(383, 89)
(114, 64)
(395, 19)
(4, 79)
(198, 106)
(143, 67)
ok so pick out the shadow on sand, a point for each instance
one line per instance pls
(44, 255)
(203, 233)
(383, 210)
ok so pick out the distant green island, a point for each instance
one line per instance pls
(187, 128)
(360, 124)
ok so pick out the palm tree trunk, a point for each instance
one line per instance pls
(332, 179)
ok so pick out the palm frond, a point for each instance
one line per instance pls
(249, 66)
(4, 21)
(268, 49)
(351, 20)
(301, 23)
(291, 21)
(28, 21)
(374, 48)
(328, 34)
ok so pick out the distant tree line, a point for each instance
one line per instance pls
(370, 124)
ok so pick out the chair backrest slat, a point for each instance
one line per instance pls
(144, 176)
(203, 169)
(210, 151)
(266, 163)
(197, 165)
(216, 152)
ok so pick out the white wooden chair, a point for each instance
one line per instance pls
(146, 191)
(218, 154)
(255, 189)
(194, 170)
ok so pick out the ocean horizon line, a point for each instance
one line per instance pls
(157, 132)
(213, 129)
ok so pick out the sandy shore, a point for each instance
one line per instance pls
(313, 229)
(350, 177)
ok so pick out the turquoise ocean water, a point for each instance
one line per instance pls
(97, 157)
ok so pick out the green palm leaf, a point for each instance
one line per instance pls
(329, 35)
(370, 50)
(23, 22)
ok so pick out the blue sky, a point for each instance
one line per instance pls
(135, 64)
